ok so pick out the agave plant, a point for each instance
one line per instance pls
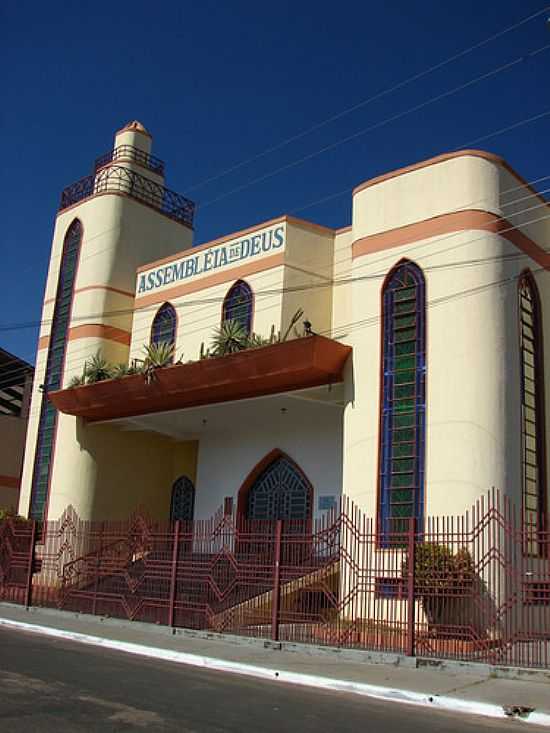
(123, 370)
(157, 356)
(230, 337)
(256, 340)
(96, 369)
(77, 381)
(293, 321)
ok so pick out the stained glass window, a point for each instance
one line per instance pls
(403, 419)
(281, 491)
(238, 304)
(182, 506)
(163, 329)
(54, 369)
(532, 415)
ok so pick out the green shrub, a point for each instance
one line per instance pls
(443, 580)
(6, 513)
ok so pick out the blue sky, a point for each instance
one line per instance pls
(219, 82)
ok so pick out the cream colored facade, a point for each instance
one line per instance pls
(465, 219)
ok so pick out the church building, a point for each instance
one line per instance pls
(399, 360)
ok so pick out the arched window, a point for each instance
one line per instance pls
(279, 491)
(402, 420)
(238, 305)
(182, 505)
(532, 415)
(164, 325)
(53, 377)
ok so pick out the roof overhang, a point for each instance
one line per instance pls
(292, 365)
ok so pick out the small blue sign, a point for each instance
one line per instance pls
(326, 503)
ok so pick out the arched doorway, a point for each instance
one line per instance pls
(182, 504)
(276, 489)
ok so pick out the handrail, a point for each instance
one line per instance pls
(118, 179)
(129, 152)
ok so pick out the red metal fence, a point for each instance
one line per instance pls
(461, 588)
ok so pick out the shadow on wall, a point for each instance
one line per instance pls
(130, 471)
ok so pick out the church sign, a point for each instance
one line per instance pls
(212, 259)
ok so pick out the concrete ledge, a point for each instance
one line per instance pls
(388, 694)
(341, 654)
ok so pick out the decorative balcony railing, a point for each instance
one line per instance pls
(129, 152)
(117, 179)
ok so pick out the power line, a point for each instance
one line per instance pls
(377, 318)
(381, 275)
(377, 125)
(468, 144)
(274, 291)
(379, 95)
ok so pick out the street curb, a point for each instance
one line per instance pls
(387, 694)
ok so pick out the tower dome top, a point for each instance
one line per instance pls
(136, 126)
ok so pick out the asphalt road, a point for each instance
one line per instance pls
(49, 686)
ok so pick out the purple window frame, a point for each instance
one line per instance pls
(164, 325)
(238, 305)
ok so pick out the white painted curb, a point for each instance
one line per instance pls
(388, 694)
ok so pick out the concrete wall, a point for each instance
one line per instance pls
(110, 473)
(310, 434)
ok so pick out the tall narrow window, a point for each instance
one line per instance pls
(163, 329)
(182, 504)
(403, 416)
(532, 416)
(54, 370)
(237, 305)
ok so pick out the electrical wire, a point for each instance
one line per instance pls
(381, 275)
(363, 103)
(376, 126)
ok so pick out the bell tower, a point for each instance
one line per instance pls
(108, 224)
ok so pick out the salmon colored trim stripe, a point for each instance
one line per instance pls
(10, 482)
(284, 219)
(455, 221)
(235, 273)
(43, 342)
(99, 330)
(442, 159)
(127, 293)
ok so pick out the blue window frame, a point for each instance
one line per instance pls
(164, 325)
(238, 305)
(47, 424)
(403, 418)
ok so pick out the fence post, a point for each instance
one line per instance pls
(410, 588)
(276, 582)
(173, 578)
(30, 565)
(97, 568)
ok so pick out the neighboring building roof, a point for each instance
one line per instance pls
(14, 373)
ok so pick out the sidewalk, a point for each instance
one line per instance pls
(463, 688)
